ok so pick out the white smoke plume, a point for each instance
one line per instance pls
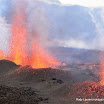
(36, 21)
(4, 35)
(86, 3)
(99, 39)
(51, 2)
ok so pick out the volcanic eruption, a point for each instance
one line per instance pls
(25, 47)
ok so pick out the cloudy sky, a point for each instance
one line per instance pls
(77, 27)
(87, 3)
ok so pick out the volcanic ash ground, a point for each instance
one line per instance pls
(26, 85)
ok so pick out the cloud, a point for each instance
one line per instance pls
(38, 20)
(99, 39)
(51, 2)
(86, 3)
(74, 43)
(4, 35)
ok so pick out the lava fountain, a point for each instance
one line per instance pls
(19, 37)
(1, 55)
(23, 53)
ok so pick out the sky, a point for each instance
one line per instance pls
(77, 42)
(86, 3)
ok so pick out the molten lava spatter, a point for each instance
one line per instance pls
(23, 53)
(102, 71)
(40, 58)
(1, 55)
(19, 36)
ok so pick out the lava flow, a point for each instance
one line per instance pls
(102, 70)
(23, 53)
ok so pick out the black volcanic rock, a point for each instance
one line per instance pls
(60, 81)
(23, 95)
(28, 73)
(7, 66)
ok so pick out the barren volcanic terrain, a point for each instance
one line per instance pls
(25, 85)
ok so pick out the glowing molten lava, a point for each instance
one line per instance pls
(40, 58)
(102, 72)
(1, 55)
(23, 53)
(19, 36)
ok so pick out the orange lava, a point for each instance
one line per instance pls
(40, 58)
(1, 55)
(102, 72)
(87, 90)
(19, 36)
(64, 64)
(23, 53)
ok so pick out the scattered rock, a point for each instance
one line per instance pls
(53, 78)
(60, 81)
(23, 95)
(43, 80)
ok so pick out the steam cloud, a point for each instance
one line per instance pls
(99, 39)
(38, 20)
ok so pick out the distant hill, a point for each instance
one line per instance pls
(76, 55)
